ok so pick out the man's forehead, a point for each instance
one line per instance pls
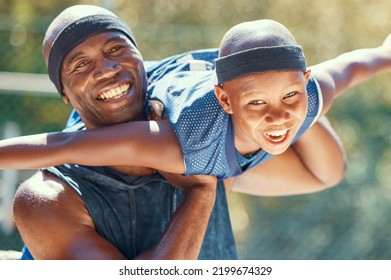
(108, 36)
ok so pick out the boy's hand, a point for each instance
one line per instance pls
(387, 41)
(156, 109)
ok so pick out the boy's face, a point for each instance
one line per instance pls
(267, 109)
(104, 79)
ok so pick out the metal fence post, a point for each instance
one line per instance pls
(8, 184)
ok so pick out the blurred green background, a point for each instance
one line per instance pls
(350, 221)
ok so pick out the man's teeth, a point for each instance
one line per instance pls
(115, 93)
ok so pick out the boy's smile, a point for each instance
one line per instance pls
(276, 136)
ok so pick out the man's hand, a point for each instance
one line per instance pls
(188, 183)
(184, 235)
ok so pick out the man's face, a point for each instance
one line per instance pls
(267, 109)
(104, 79)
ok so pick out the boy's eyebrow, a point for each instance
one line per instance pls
(245, 92)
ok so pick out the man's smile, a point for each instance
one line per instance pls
(115, 93)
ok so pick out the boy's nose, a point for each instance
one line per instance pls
(277, 116)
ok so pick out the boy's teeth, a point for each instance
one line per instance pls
(276, 133)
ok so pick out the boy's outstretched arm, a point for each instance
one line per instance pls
(349, 69)
(315, 162)
(145, 143)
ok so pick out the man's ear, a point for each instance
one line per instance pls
(223, 98)
(65, 98)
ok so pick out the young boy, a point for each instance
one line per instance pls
(264, 99)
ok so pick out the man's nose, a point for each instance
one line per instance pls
(106, 68)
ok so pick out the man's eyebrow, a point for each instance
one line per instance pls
(119, 39)
(75, 56)
(122, 39)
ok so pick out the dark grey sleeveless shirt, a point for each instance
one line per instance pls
(133, 212)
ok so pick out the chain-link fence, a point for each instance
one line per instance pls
(23, 113)
(24, 107)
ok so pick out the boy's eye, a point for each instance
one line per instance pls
(291, 94)
(257, 102)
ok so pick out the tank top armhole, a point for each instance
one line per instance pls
(320, 100)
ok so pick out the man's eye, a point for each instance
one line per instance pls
(114, 49)
(81, 64)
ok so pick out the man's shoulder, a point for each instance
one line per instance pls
(42, 186)
(42, 176)
(42, 194)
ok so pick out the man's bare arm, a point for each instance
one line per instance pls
(185, 233)
(55, 224)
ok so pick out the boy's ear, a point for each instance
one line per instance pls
(307, 75)
(223, 98)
